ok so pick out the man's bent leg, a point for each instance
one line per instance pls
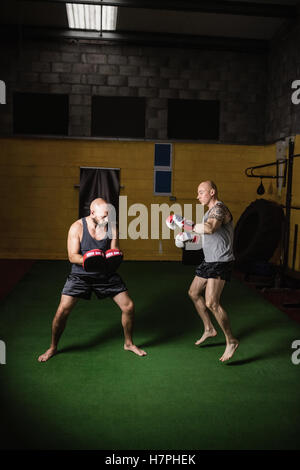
(127, 307)
(58, 325)
(196, 289)
(214, 289)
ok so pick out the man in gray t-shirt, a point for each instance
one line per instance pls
(216, 231)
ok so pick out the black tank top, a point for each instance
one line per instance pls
(89, 243)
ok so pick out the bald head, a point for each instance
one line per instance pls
(99, 211)
(207, 192)
(211, 185)
(97, 203)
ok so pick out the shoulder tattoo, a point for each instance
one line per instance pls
(218, 212)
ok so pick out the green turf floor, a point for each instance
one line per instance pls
(94, 395)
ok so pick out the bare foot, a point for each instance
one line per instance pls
(206, 334)
(49, 353)
(135, 350)
(229, 351)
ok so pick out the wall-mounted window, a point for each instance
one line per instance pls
(114, 116)
(40, 113)
(193, 119)
(163, 169)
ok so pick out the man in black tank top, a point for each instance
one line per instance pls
(84, 235)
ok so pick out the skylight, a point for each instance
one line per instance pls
(82, 16)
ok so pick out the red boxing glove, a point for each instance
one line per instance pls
(94, 261)
(174, 221)
(114, 258)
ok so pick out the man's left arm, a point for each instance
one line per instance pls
(115, 238)
(213, 223)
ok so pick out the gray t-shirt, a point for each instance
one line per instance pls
(218, 247)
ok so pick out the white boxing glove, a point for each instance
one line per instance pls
(174, 221)
(185, 237)
(179, 243)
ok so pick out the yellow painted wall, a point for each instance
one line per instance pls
(295, 214)
(39, 201)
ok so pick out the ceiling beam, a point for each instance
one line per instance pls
(271, 10)
(141, 38)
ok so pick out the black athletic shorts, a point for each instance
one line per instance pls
(83, 286)
(215, 270)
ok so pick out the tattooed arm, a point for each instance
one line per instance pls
(217, 216)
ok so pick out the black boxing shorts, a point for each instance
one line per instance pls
(82, 286)
(215, 270)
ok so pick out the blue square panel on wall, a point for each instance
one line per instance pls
(163, 180)
(162, 155)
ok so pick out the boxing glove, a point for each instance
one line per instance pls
(185, 237)
(175, 220)
(94, 261)
(114, 258)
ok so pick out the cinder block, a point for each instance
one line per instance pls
(187, 94)
(79, 110)
(81, 89)
(41, 67)
(61, 67)
(95, 58)
(117, 81)
(155, 123)
(34, 88)
(166, 93)
(80, 130)
(84, 100)
(180, 84)
(51, 56)
(96, 79)
(158, 82)
(108, 69)
(84, 68)
(151, 113)
(105, 49)
(29, 77)
(49, 78)
(107, 91)
(216, 85)
(210, 75)
(162, 133)
(137, 60)
(75, 99)
(149, 71)
(148, 92)
(137, 82)
(158, 61)
(197, 85)
(158, 103)
(187, 73)
(69, 57)
(117, 59)
(169, 72)
(128, 70)
(70, 78)
(126, 91)
(60, 89)
(151, 133)
(207, 95)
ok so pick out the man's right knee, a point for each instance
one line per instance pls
(193, 294)
(65, 308)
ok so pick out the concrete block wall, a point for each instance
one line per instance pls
(82, 70)
(283, 117)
